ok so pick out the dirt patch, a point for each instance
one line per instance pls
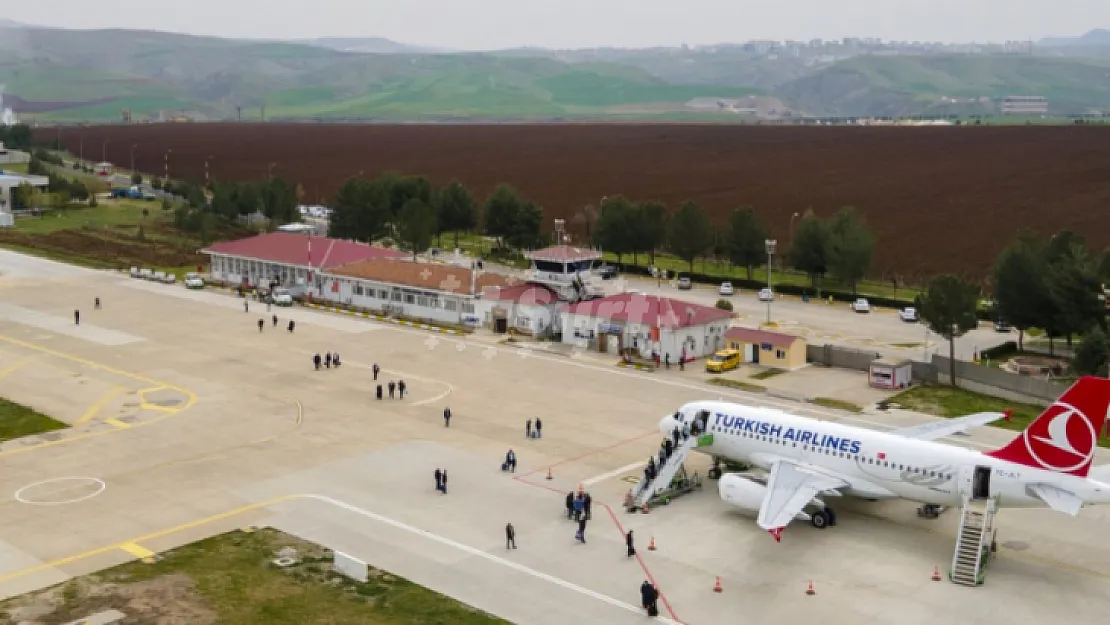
(166, 600)
(113, 247)
(939, 199)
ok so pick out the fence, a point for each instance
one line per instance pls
(997, 382)
(843, 357)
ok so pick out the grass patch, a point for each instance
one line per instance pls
(946, 401)
(906, 345)
(766, 373)
(838, 404)
(229, 579)
(17, 420)
(739, 384)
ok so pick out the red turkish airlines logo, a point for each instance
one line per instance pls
(1063, 440)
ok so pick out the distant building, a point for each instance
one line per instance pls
(1024, 105)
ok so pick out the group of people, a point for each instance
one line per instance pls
(262, 325)
(666, 450)
(441, 480)
(396, 389)
(531, 432)
(329, 360)
(578, 509)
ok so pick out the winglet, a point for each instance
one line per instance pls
(776, 533)
(1006, 414)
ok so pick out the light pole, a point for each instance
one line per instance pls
(771, 244)
(792, 218)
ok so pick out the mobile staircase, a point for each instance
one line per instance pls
(974, 542)
(671, 479)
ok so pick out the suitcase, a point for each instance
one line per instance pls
(653, 609)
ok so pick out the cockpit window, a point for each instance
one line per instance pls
(678, 416)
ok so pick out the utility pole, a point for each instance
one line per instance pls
(770, 244)
(238, 113)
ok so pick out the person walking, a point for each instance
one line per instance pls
(510, 461)
(96, 303)
(335, 360)
(392, 387)
(667, 360)
(648, 598)
(246, 306)
(510, 536)
(316, 361)
(439, 479)
(581, 534)
(275, 321)
(379, 391)
(327, 360)
(570, 505)
(628, 543)
(539, 428)
(587, 503)
(77, 317)
(376, 370)
(401, 389)
(446, 417)
(445, 481)
(261, 324)
(579, 507)
(292, 325)
(528, 429)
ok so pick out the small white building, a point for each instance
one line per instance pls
(9, 182)
(413, 290)
(530, 309)
(890, 374)
(566, 270)
(645, 323)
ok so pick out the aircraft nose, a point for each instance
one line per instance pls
(667, 424)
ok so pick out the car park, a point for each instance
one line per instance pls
(725, 288)
(685, 284)
(194, 281)
(766, 295)
(861, 305)
(908, 314)
(724, 360)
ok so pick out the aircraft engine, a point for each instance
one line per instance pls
(745, 494)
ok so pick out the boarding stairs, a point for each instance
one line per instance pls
(665, 475)
(974, 540)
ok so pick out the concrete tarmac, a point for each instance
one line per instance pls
(206, 425)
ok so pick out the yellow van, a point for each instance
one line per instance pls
(724, 360)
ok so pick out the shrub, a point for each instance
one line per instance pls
(724, 304)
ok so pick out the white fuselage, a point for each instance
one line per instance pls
(877, 465)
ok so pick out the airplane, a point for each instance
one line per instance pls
(807, 460)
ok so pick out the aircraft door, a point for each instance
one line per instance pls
(975, 481)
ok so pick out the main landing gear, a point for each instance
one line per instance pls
(825, 517)
(930, 511)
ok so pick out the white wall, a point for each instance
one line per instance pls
(534, 318)
(403, 301)
(232, 270)
(701, 341)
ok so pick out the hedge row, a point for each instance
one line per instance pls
(1009, 348)
(791, 289)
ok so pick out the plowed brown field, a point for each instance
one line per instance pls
(939, 199)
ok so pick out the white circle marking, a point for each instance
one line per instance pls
(19, 494)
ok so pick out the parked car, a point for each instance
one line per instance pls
(281, 297)
(194, 281)
(168, 278)
(908, 314)
(606, 271)
(766, 295)
(685, 284)
(724, 360)
(725, 288)
(861, 305)
(1001, 325)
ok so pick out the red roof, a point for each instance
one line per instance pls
(759, 337)
(293, 249)
(563, 253)
(651, 310)
(526, 294)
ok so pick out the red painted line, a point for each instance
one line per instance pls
(588, 454)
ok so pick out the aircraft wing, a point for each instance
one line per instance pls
(1056, 498)
(790, 489)
(946, 427)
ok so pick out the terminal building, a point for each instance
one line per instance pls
(646, 323)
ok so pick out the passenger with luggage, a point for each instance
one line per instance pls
(510, 462)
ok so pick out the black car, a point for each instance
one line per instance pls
(606, 271)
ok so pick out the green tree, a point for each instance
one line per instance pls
(851, 247)
(223, 201)
(1020, 292)
(361, 210)
(416, 225)
(612, 232)
(948, 307)
(810, 251)
(747, 238)
(1104, 266)
(280, 200)
(691, 233)
(501, 212)
(24, 196)
(652, 233)
(1091, 354)
(456, 210)
(526, 229)
(59, 200)
(136, 178)
(1074, 287)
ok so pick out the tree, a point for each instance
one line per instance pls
(746, 239)
(1091, 354)
(809, 252)
(613, 233)
(691, 233)
(585, 217)
(851, 247)
(526, 229)
(1074, 287)
(652, 233)
(416, 225)
(501, 211)
(360, 211)
(455, 209)
(948, 307)
(280, 200)
(1104, 266)
(59, 200)
(24, 196)
(136, 178)
(1020, 294)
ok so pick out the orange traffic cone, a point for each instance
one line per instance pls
(936, 573)
(549, 474)
(810, 590)
(717, 586)
(651, 545)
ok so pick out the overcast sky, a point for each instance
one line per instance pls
(488, 24)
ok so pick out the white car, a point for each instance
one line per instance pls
(766, 295)
(725, 289)
(861, 305)
(908, 314)
(685, 284)
(281, 297)
(194, 281)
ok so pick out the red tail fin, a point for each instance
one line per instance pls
(1063, 439)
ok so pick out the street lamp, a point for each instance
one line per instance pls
(771, 244)
(792, 218)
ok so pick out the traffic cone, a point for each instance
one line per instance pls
(936, 573)
(549, 476)
(651, 545)
(717, 586)
(810, 590)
